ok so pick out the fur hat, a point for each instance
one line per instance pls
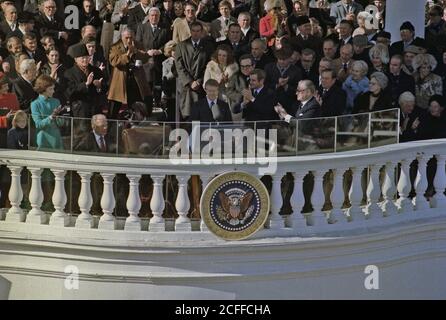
(407, 26)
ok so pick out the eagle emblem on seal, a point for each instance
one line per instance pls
(234, 208)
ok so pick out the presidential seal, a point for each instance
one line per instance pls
(235, 205)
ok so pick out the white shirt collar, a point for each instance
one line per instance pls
(305, 102)
(245, 31)
(209, 101)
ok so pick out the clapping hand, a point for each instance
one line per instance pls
(247, 95)
(415, 124)
(282, 82)
(98, 83)
(280, 111)
(89, 79)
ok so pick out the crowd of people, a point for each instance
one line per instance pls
(209, 60)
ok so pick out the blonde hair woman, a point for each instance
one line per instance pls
(427, 83)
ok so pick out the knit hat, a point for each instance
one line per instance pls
(301, 20)
(407, 26)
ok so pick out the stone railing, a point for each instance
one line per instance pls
(381, 176)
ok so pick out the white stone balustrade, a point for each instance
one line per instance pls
(182, 204)
(389, 189)
(404, 203)
(36, 215)
(133, 222)
(108, 203)
(15, 213)
(157, 205)
(59, 217)
(297, 166)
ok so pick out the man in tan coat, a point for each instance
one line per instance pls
(128, 81)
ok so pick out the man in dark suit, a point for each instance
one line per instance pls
(49, 24)
(283, 76)
(260, 54)
(191, 58)
(25, 22)
(345, 9)
(258, 101)
(9, 24)
(153, 37)
(210, 108)
(248, 33)
(407, 32)
(234, 40)
(306, 106)
(308, 65)
(23, 85)
(399, 81)
(85, 85)
(332, 99)
(98, 140)
(305, 39)
(137, 14)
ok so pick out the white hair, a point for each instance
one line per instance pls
(361, 65)
(406, 96)
(96, 117)
(381, 51)
(154, 9)
(26, 65)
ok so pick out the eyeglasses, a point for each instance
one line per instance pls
(245, 66)
(300, 90)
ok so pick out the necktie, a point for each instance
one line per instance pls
(212, 103)
(324, 92)
(254, 93)
(195, 45)
(226, 22)
(345, 66)
(102, 144)
(154, 29)
(348, 8)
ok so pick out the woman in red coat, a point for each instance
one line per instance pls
(273, 22)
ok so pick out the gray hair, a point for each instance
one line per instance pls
(361, 65)
(259, 41)
(127, 30)
(381, 51)
(96, 117)
(423, 58)
(309, 85)
(382, 79)
(154, 9)
(26, 65)
(406, 96)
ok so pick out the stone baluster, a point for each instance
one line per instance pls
(85, 219)
(182, 204)
(133, 222)
(36, 215)
(404, 204)
(373, 193)
(15, 213)
(205, 181)
(355, 195)
(318, 199)
(108, 203)
(275, 219)
(439, 199)
(388, 206)
(157, 205)
(419, 201)
(298, 201)
(59, 217)
(337, 215)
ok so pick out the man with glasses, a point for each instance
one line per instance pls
(49, 24)
(237, 84)
(306, 106)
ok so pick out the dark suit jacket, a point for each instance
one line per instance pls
(362, 102)
(87, 143)
(312, 42)
(25, 93)
(202, 112)
(262, 108)
(45, 27)
(398, 46)
(5, 29)
(294, 74)
(409, 134)
(333, 102)
(87, 98)
(264, 60)
(312, 109)
(250, 35)
(239, 50)
(136, 16)
(397, 85)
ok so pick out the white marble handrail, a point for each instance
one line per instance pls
(375, 181)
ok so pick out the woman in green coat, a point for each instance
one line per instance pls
(44, 111)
